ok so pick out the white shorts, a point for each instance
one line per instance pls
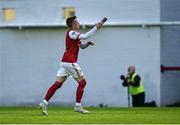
(67, 69)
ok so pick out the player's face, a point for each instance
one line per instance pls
(76, 24)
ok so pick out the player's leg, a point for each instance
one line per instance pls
(61, 77)
(58, 83)
(80, 89)
(75, 71)
(79, 93)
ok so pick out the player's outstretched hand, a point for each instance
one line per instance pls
(91, 43)
(98, 25)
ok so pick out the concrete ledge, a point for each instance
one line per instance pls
(111, 24)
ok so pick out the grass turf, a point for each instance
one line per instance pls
(59, 115)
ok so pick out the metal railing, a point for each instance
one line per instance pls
(169, 68)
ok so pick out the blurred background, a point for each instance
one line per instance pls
(144, 33)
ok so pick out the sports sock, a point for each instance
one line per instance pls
(80, 91)
(45, 102)
(78, 104)
(52, 90)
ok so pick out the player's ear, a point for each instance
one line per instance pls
(73, 24)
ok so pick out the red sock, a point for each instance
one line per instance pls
(80, 91)
(52, 90)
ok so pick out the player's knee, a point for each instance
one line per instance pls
(80, 78)
(58, 80)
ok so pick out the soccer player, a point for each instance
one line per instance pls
(69, 64)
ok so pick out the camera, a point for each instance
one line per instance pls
(122, 77)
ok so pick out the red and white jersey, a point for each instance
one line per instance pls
(72, 48)
(73, 43)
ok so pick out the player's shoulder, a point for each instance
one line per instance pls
(73, 32)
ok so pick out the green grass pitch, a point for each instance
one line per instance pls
(61, 115)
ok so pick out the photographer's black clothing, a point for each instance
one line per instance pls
(138, 100)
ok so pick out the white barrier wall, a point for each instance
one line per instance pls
(30, 59)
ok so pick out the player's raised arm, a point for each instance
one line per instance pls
(88, 34)
(93, 30)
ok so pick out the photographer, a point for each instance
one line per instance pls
(136, 89)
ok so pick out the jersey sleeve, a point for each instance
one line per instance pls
(88, 34)
(74, 34)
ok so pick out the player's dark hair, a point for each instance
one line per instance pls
(70, 20)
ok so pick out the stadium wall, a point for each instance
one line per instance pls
(30, 56)
(30, 60)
